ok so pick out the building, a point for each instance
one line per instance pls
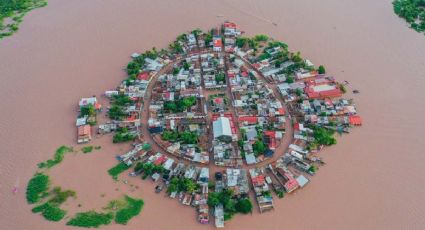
(222, 129)
(84, 134)
(217, 44)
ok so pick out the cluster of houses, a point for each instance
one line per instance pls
(212, 98)
(88, 108)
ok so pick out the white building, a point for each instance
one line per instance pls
(222, 129)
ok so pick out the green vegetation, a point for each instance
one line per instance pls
(323, 136)
(91, 219)
(118, 169)
(321, 69)
(243, 206)
(342, 88)
(123, 135)
(133, 68)
(259, 147)
(15, 10)
(261, 38)
(148, 169)
(87, 110)
(50, 211)
(413, 11)
(117, 113)
(182, 185)
(220, 77)
(121, 100)
(280, 194)
(185, 137)
(87, 149)
(230, 205)
(37, 188)
(186, 65)
(179, 105)
(244, 41)
(131, 210)
(290, 79)
(58, 158)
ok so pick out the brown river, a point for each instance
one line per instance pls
(374, 177)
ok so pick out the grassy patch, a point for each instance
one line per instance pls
(91, 219)
(15, 10)
(37, 187)
(133, 208)
(58, 158)
(118, 169)
(87, 149)
(50, 211)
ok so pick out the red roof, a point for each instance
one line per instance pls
(218, 43)
(281, 111)
(143, 76)
(291, 184)
(355, 120)
(297, 126)
(249, 119)
(230, 25)
(270, 133)
(84, 130)
(160, 160)
(244, 74)
(258, 180)
(231, 75)
(218, 100)
(256, 65)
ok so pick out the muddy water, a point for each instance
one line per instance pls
(374, 177)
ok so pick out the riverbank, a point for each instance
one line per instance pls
(366, 51)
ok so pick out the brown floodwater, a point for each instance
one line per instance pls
(374, 177)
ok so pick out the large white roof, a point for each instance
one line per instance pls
(221, 127)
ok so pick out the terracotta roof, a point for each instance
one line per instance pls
(249, 119)
(355, 120)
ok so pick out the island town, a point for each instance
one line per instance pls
(221, 122)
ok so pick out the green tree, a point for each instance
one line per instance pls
(244, 206)
(321, 69)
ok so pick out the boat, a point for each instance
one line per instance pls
(356, 91)
(15, 189)
(159, 188)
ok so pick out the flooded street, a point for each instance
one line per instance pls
(374, 177)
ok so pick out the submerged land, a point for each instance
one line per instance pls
(367, 168)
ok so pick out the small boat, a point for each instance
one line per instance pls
(274, 23)
(15, 189)
(356, 91)
(159, 188)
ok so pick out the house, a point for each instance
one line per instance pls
(87, 101)
(222, 129)
(84, 134)
(219, 216)
(217, 44)
(322, 88)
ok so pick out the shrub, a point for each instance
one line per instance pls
(58, 158)
(91, 219)
(321, 69)
(37, 186)
(50, 211)
(244, 206)
(87, 149)
(118, 169)
(132, 209)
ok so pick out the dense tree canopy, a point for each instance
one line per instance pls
(413, 11)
